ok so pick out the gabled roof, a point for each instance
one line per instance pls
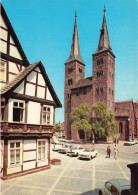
(75, 47)
(9, 88)
(83, 83)
(14, 37)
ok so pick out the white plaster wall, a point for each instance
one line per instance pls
(41, 80)
(30, 89)
(1, 85)
(32, 77)
(29, 144)
(42, 163)
(11, 77)
(41, 92)
(2, 23)
(14, 169)
(20, 88)
(3, 47)
(48, 95)
(29, 165)
(14, 52)
(3, 34)
(34, 113)
(13, 68)
(37, 69)
(11, 40)
(29, 155)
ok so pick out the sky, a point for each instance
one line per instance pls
(45, 29)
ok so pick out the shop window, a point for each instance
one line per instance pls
(120, 128)
(18, 111)
(2, 70)
(46, 115)
(15, 153)
(41, 150)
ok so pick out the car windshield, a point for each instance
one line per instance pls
(125, 192)
(87, 150)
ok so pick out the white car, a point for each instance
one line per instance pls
(88, 154)
(74, 150)
(64, 149)
(129, 143)
(56, 146)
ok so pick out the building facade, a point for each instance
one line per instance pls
(99, 87)
(28, 103)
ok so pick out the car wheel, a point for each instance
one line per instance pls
(77, 154)
(91, 157)
(100, 192)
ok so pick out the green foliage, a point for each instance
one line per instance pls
(57, 128)
(104, 123)
(79, 118)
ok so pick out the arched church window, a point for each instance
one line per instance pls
(120, 128)
(97, 90)
(101, 90)
(80, 70)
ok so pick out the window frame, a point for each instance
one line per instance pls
(2, 108)
(23, 108)
(46, 150)
(46, 116)
(15, 148)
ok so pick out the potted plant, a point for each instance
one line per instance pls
(55, 161)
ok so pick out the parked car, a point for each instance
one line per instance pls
(115, 187)
(135, 140)
(129, 143)
(56, 146)
(64, 149)
(88, 153)
(74, 150)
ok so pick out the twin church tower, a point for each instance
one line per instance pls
(99, 87)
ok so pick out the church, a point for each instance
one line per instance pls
(99, 87)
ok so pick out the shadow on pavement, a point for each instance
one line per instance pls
(91, 192)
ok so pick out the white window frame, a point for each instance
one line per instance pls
(20, 163)
(1, 153)
(3, 68)
(2, 107)
(23, 108)
(47, 112)
(46, 150)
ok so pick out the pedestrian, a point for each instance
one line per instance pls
(115, 151)
(93, 142)
(108, 151)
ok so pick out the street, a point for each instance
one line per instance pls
(75, 176)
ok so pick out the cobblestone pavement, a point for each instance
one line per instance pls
(72, 177)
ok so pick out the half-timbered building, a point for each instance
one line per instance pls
(28, 103)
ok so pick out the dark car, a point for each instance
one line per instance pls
(116, 187)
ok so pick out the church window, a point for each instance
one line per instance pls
(70, 82)
(18, 111)
(120, 128)
(46, 115)
(100, 61)
(77, 93)
(112, 76)
(97, 90)
(85, 91)
(100, 73)
(112, 92)
(101, 90)
(80, 70)
(70, 70)
(2, 70)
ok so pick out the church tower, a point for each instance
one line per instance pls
(74, 71)
(104, 69)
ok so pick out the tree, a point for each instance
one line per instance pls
(104, 123)
(57, 128)
(79, 118)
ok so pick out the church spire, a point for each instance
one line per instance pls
(75, 47)
(104, 42)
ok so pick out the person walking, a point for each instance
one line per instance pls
(108, 152)
(115, 151)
